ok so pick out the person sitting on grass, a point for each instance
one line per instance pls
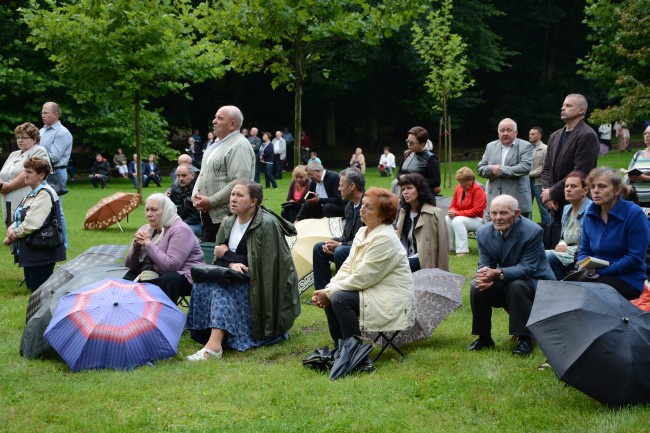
(100, 172)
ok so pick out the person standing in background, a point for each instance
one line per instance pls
(57, 140)
(539, 154)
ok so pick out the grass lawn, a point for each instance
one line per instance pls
(439, 386)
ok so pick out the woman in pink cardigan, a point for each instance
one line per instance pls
(164, 250)
(466, 210)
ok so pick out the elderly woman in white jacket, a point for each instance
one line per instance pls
(373, 289)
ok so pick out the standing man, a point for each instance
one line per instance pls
(573, 147)
(352, 185)
(279, 153)
(511, 260)
(506, 164)
(288, 138)
(181, 194)
(326, 201)
(256, 142)
(57, 140)
(539, 154)
(605, 131)
(229, 159)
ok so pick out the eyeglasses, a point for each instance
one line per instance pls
(410, 143)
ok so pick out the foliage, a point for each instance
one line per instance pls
(618, 60)
(294, 40)
(443, 52)
(119, 53)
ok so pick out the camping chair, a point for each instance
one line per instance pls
(208, 256)
(386, 340)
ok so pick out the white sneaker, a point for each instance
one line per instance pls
(205, 354)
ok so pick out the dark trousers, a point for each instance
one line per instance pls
(277, 165)
(343, 316)
(515, 296)
(157, 180)
(269, 177)
(327, 210)
(257, 172)
(172, 283)
(103, 180)
(210, 229)
(625, 290)
(322, 268)
(37, 275)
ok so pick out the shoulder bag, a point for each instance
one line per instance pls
(50, 235)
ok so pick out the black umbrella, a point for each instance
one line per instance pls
(351, 354)
(595, 340)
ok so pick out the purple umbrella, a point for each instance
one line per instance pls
(116, 324)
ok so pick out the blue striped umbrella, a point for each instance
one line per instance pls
(116, 324)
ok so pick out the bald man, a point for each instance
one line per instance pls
(229, 159)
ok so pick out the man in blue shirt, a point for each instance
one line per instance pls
(57, 140)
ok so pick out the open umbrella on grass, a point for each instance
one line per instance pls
(437, 295)
(310, 232)
(595, 340)
(116, 324)
(111, 210)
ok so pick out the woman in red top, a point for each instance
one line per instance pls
(466, 210)
(296, 196)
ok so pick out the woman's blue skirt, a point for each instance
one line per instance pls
(226, 307)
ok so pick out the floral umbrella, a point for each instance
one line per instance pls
(111, 210)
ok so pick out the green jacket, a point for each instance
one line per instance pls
(274, 296)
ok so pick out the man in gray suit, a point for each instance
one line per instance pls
(511, 260)
(506, 164)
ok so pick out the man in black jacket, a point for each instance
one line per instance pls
(100, 171)
(352, 186)
(181, 194)
(324, 199)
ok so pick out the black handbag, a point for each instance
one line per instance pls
(216, 273)
(50, 235)
(56, 182)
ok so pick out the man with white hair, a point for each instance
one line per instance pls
(229, 159)
(506, 164)
(511, 260)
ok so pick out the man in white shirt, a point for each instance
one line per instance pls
(279, 153)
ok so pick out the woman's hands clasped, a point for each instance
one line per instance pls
(141, 238)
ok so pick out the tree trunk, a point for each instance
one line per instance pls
(138, 146)
(297, 106)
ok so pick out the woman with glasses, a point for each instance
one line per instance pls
(418, 160)
(12, 175)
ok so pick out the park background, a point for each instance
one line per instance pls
(366, 90)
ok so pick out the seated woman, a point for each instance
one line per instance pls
(166, 248)
(641, 162)
(296, 196)
(373, 290)
(247, 314)
(33, 212)
(421, 226)
(615, 230)
(563, 258)
(466, 210)
(358, 160)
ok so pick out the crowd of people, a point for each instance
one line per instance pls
(387, 234)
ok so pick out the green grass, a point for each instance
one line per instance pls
(439, 386)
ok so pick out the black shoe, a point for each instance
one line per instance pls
(524, 347)
(366, 365)
(482, 343)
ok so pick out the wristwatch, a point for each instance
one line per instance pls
(501, 276)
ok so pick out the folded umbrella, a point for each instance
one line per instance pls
(350, 355)
(115, 324)
(595, 340)
(310, 232)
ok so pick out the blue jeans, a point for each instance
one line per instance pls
(64, 175)
(269, 177)
(322, 269)
(537, 195)
(197, 229)
(557, 267)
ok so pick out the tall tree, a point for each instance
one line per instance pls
(619, 60)
(122, 52)
(444, 54)
(294, 40)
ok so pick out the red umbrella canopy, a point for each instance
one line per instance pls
(111, 210)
